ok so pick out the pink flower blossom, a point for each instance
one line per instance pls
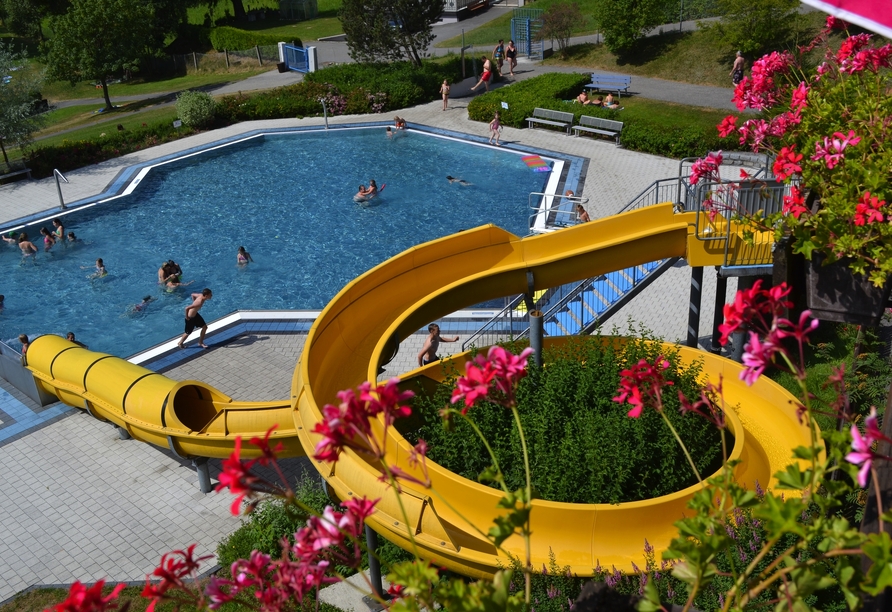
(728, 125)
(867, 210)
(835, 23)
(751, 306)
(794, 204)
(706, 167)
(787, 163)
(862, 446)
(175, 568)
(832, 150)
(642, 385)
(236, 476)
(89, 599)
(499, 369)
(800, 97)
(756, 356)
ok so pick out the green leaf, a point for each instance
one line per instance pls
(879, 549)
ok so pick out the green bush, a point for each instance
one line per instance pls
(80, 153)
(402, 83)
(270, 522)
(674, 142)
(546, 91)
(233, 39)
(196, 108)
(583, 447)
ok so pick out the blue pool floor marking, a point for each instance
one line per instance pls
(19, 420)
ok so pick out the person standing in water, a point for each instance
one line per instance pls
(428, 353)
(194, 318)
(243, 257)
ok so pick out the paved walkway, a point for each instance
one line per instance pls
(79, 503)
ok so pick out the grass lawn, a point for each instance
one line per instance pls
(490, 33)
(325, 24)
(668, 114)
(65, 91)
(124, 117)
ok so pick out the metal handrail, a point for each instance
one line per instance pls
(661, 191)
(506, 313)
(549, 214)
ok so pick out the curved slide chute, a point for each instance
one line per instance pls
(366, 321)
(363, 323)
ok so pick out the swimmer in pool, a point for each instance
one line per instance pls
(175, 283)
(461, 182)
(11, 238)
(142, 306)
(100, 269)
(58, 230)
(48, 239)
(27, 247)
(366, 193)
(72, 237)
(243, 257)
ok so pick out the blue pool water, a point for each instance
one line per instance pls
(287, 199)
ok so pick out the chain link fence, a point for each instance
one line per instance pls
(197, 63)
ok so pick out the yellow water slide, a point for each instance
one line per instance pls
(191, 418)
(364, 324)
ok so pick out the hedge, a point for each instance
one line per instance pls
(233, 39)
(558, 91)
(583, 446)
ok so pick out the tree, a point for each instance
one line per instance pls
(97, 38)
(623, 22)
(17, 94)
(389, 29)
(754, 27)
(24, 17)
(559, 21)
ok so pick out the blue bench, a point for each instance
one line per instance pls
(610, 82)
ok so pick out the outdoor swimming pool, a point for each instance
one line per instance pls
(287, 198)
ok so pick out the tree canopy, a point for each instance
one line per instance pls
(96, 39)
(623, 22)
(389, 29)
(17, 95)
(559, 21)
(24, 17)
(754, 27)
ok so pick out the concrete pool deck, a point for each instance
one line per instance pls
(81, 504)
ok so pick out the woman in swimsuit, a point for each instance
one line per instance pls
(511, 56)
(243, 256)
(498, 54)
(444, 91)
(48, 240)
(28, 248)
(58, 230)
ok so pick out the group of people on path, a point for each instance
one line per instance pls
(499, 54)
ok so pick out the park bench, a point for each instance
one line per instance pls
(610, 82)
(8, 175)
(551, 117)
(596, 125)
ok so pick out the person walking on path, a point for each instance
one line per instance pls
(194, 319)
(498, 54)
(494, 127)
(737, 68)
(444, 91)
(428, 353)
(486, 76)
(511, 56)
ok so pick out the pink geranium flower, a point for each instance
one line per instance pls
(89, 599)
(862, 446)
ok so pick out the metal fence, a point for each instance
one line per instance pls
(192, 63)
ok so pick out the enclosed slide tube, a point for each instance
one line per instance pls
(360, 327)
(190, 418)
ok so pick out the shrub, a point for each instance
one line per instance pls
(225, 37)
(196, 108)
(675, 142)
(546, 91)
(583, 446)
